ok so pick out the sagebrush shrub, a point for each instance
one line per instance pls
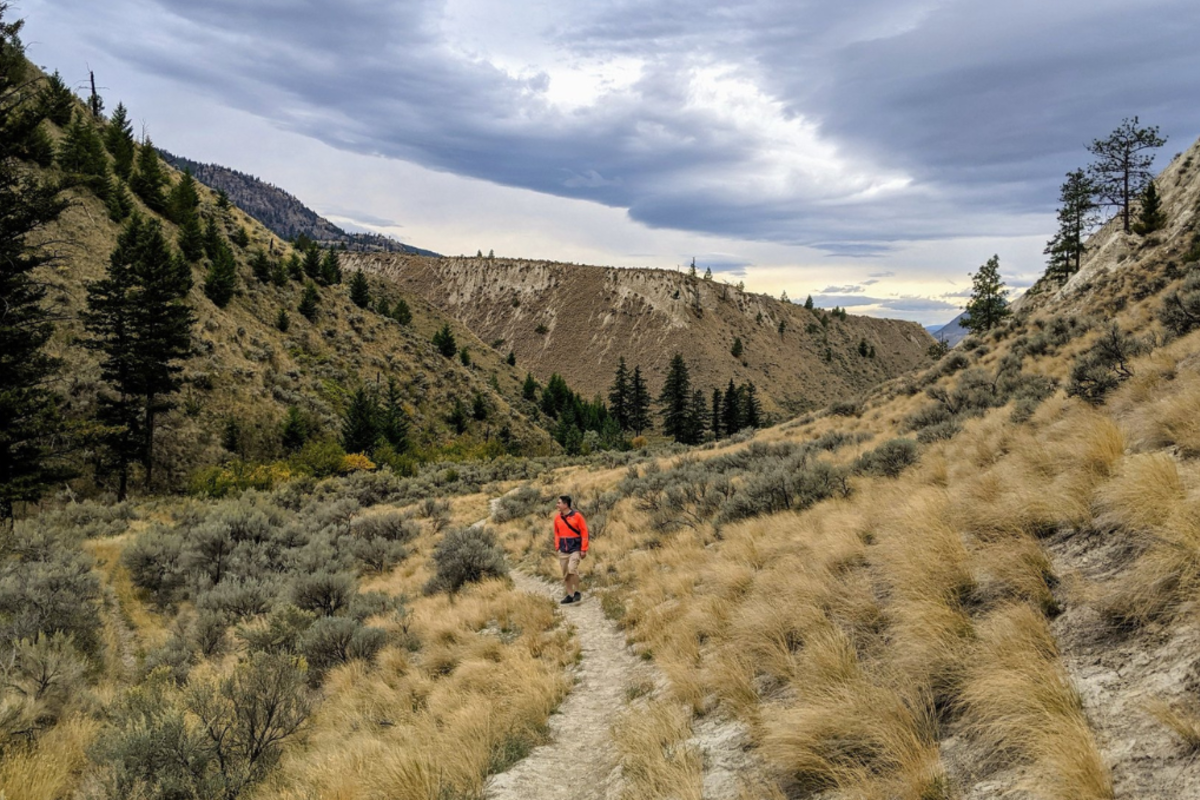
(889, 459)
(1180, 309)
(323, 593)
(466, 555)
(1105, 366)
(517, 504)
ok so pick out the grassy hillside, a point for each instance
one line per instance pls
(242, 367)
(579, 321)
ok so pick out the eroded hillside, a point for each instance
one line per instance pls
(579, 321)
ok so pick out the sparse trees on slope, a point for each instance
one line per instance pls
(57, 100)
(1122, 167)
(82, 153)
(1076, 218)
(401, 313)
(140, 322)
(29, 420)
(183, 199)
(988, 305)
(360, 427)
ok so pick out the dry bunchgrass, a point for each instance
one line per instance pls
(1165, 576)
(1184, 723)
(1020, 705)
(1144, 494)
(433, 724)
(657, 760)
(48, 768)
(847, 732)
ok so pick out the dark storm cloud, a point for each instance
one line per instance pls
(983, 106)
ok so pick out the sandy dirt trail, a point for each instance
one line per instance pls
(580, 762)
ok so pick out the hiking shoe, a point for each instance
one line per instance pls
(567, 600)
(578, 597)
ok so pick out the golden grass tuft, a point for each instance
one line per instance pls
(1165, 576)
(1019, 703)
(1184, 723)
(49, 768)
(1145, 492)
(657, 760)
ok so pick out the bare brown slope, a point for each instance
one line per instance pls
(593, 316)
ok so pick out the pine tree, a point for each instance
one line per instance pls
(140, 322)
(312, 263)
(511, 360)
(150, 178)
(1076, 218)
(331, 268)
(444, 341)
(241, 237)
(309, 301)
(119, 201)
(479, 407)
(618, 395)
(382, 307)
(401, 312)
(675, 399)
(213, 240)
(715, 419)
(393, 421)
(808, 303)
(191, 238)
(360, 290)
(1151, 216)
(82, 153)
(457, 418)
(231, 436)
(987, 307)
(183, 199)
(737, 349)
(221, 281)
(360, 425)
(751, 408)
(529, 388)
(464, 355)
(294, 431)
(639, 403)
(222, 200)
(57, 100)
(731, 410)
(1122, 168)
(295, 267)
(260, 266)
(283, 321)
(30, 424)
(118, 140)
(697, 421)
(279, 274)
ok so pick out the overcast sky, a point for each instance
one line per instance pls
(871, 153)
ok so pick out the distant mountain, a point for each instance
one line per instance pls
(283, 213)
(952, 332)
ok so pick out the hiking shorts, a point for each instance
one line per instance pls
(569, 563)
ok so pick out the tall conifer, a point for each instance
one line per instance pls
(30, 424)
(140, 322)
(675, 400)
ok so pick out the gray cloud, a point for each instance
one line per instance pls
(982, 106)
(829, 290)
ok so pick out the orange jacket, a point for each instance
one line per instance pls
(561, 531)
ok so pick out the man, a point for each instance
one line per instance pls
(571, 544)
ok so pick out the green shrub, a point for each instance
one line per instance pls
(786, 487)
(1180, 309)
(153, 561)
(331, 641)
(465, 555)
(238, 597)
(281, 631)
(938, 431)
(889, 459)
(846, 408)
(1101, 369)
(519, 503)
(323, 593)
(55, 592)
